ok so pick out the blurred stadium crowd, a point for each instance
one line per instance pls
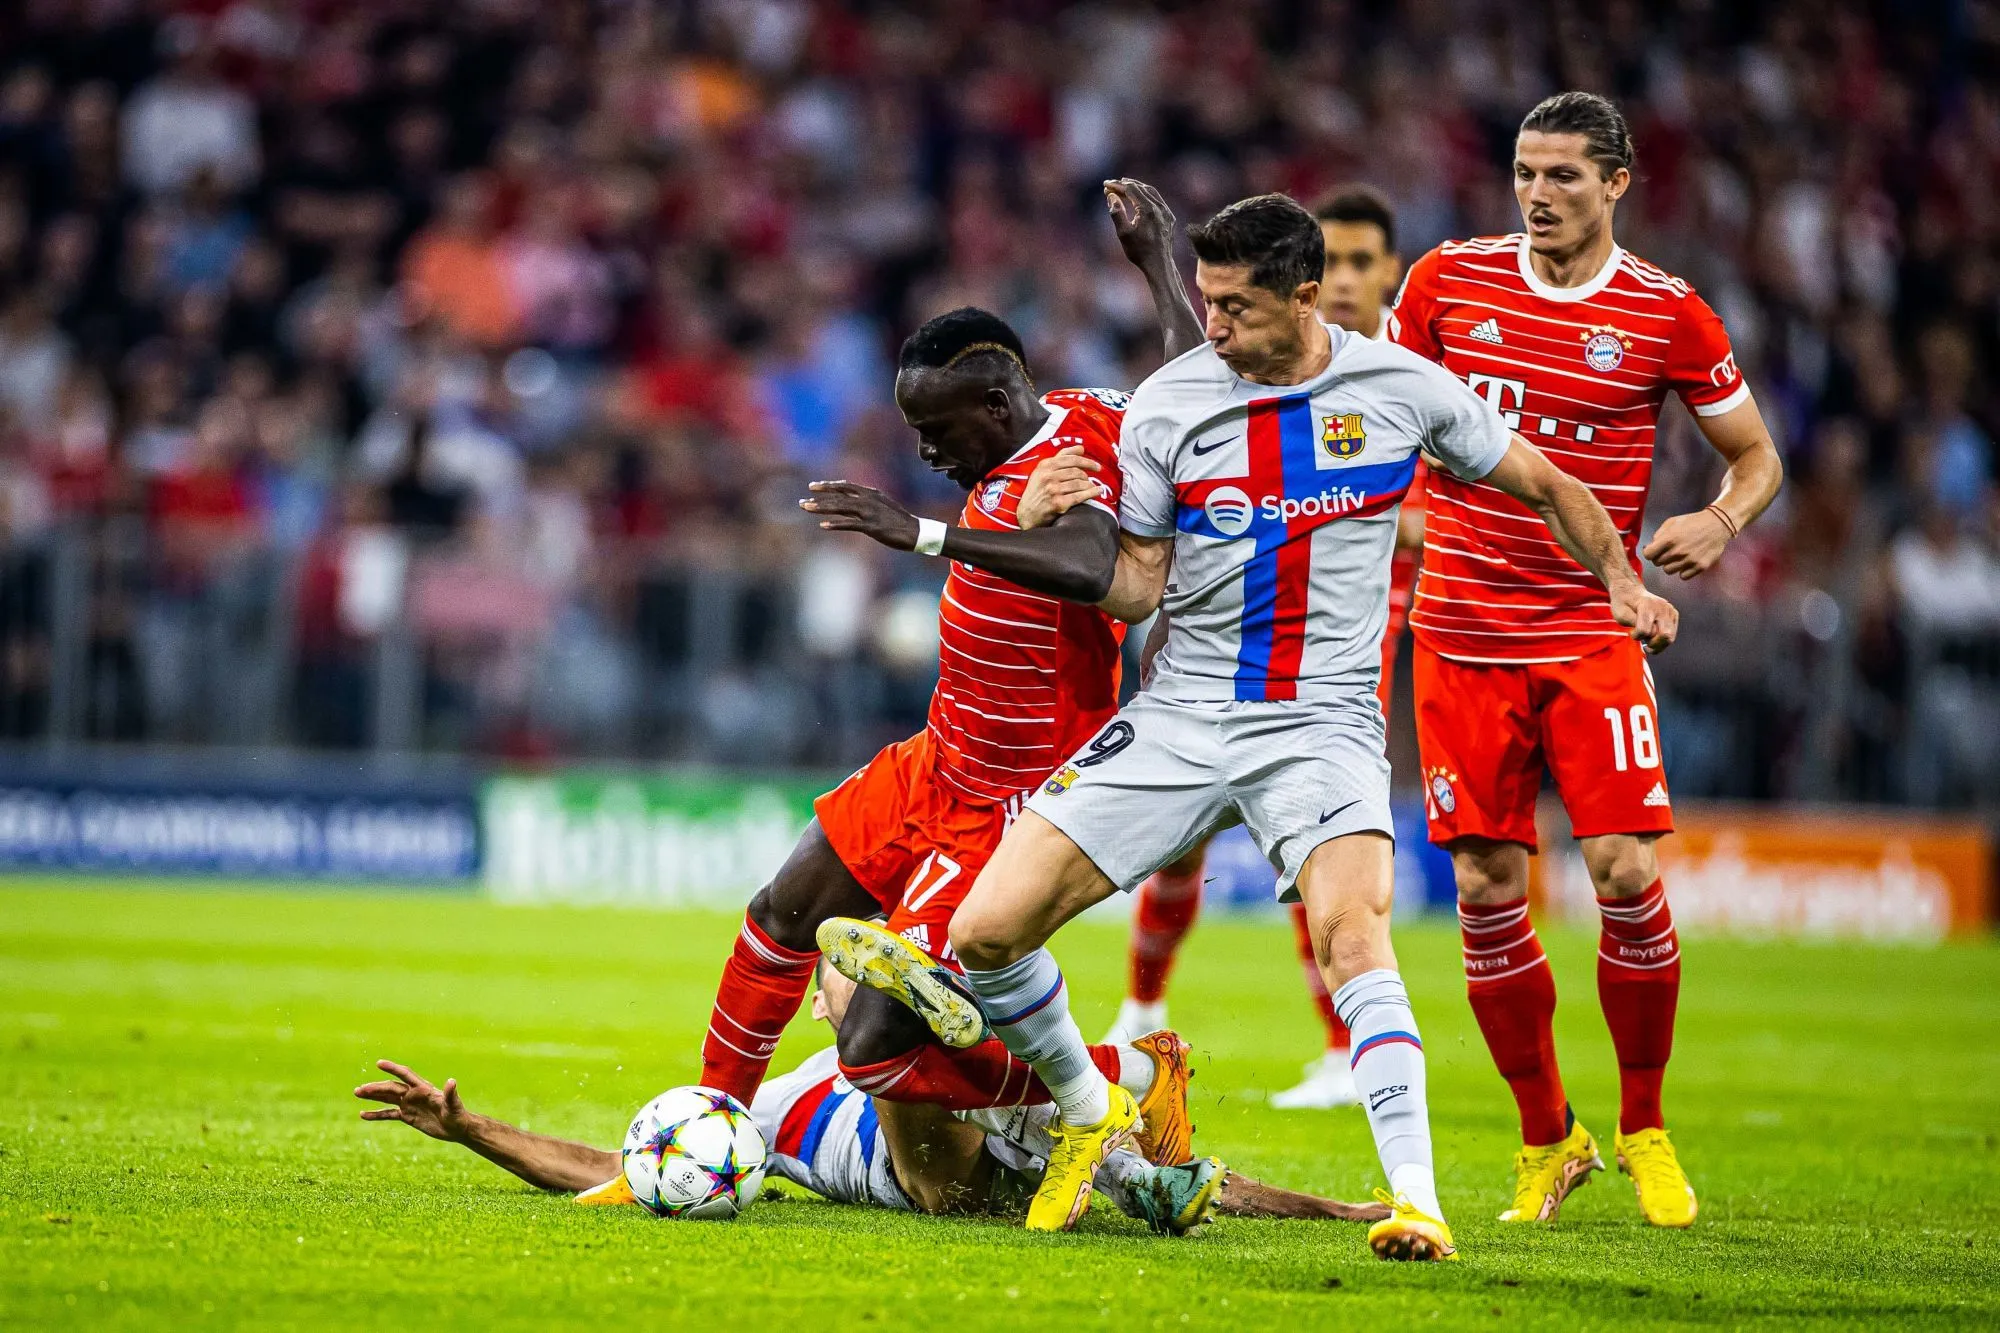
(425, 375)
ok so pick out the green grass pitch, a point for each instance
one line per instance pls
(178, 1145)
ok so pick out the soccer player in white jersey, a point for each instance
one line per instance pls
(1358, 225)
(1266, 468)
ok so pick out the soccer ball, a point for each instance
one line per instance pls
(694, 1152)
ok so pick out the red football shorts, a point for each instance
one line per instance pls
(1484, 732)
(911, 840)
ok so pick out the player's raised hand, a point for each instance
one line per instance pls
(416, 1101)
(846, 506)
(1058, 484)
(1140, 216)
(1689, 544)
(1652, 619)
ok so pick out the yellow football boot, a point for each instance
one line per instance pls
(612, 1192)
(1409, 1234)
(1543, 1177)
(1665, 1197)
(1166, 1135)
(1073, 1163)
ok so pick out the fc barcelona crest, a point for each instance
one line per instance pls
(1343, 436)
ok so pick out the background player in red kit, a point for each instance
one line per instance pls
(1359, 227)
(1023, 680)
(1577, 344)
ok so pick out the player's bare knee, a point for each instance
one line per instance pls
(788, 923)
(1620, 867)
(1489, 873)
(876, 1028)
(983, 941)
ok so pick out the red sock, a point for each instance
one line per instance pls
(762, 985)
(1168, 903)
(1336, 1031)
(1513, 996)
(986, 1075)
(1639, 985)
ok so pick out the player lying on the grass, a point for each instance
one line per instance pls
(1266, 469)
(827, 1136)
(1024, 677)
(1359, 227)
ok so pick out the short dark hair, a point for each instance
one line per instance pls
(1607, 140)
(1360, 203)
(1270, 232)
(945, 340)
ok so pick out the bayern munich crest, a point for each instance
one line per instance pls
(990, 493)
(1604, 347)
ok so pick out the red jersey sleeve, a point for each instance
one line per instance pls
(1411, 316)
(1094, 420)
(1701, 366)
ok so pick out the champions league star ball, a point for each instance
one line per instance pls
(694, 1152)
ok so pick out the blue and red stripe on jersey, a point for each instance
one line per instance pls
(806, 1120)
(1284, 471)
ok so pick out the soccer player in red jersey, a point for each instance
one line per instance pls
(1359, 227)
(1577, 344)
(1023, 680)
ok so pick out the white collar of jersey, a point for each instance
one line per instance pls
(1584, 292)
(1057, 414)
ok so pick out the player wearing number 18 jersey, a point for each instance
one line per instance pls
(1518, 663)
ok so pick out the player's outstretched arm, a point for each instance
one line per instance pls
(1244, 1197)
(1074, 557)
(1145, 227)
(544, 1162)
(1579, 523)
(1689, 544)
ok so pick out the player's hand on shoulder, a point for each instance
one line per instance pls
(846, 506)
(1058, 484)
(1140, 216)
(416, 1101)
(1652, 619)
(1688, 544)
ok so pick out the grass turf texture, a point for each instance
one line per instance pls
(177, 1142)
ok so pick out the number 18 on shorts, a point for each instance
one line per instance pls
(1484, 732)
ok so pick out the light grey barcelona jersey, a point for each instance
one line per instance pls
(1282, 502)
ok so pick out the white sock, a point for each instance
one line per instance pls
(1139, 1017)
(1388, 1066)
(1136, 1071)
(1027, 1005)
(1123, 1172)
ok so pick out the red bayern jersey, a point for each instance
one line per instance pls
(1403, 566)
(1024, 679)
(1582, 372)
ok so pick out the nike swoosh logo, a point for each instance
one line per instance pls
(1331, 813)
(1199, 450)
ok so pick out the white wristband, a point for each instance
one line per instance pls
(930, 537)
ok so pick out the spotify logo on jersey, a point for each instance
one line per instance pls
(1228, 510)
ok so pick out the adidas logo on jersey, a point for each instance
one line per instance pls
(1487, 331)
(1658, 795)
